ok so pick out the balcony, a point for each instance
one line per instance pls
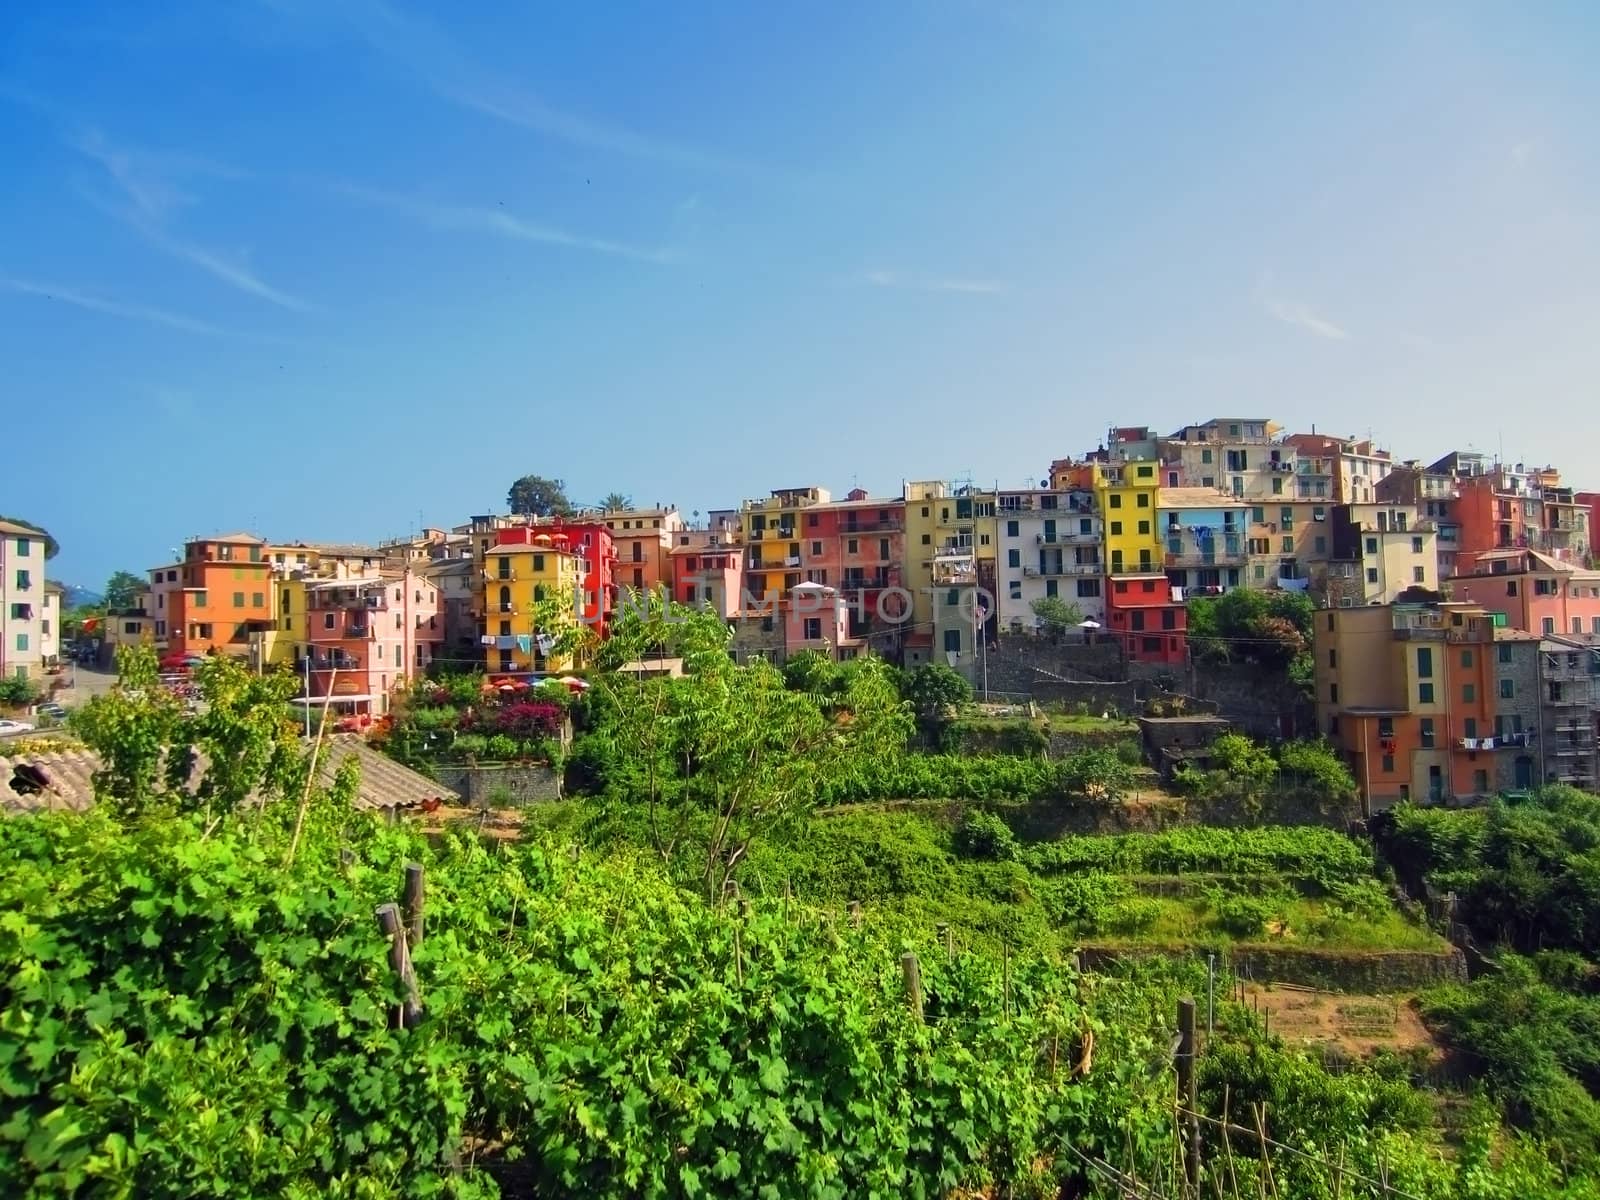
(1419, 626)
(1047, 570)
(1201, 561)
(1142, 567)
(892, 525)
(1067, 539)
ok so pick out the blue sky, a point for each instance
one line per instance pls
(328, 268)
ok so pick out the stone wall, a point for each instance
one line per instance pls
(1023, 660)
(752, 639)
(501, 784)
(1261, 704)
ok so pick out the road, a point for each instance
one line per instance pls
(87, 682)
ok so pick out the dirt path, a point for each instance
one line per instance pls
(1357, 1025)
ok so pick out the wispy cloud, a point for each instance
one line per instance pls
(150, 197)
(113, 308)
(893, 279)
(429, 54)
(498, 222)
(1294, 313)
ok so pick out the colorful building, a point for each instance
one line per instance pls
(1145, 613)
(707, 571)
(1204, 537)
(816, 617)
(1380, 551)
(1433, 494)
(1511, 507)
(1236, 455)
(1535, 592)
(1126, 495)
(216, 597)
(644, 539)
(1353, 466)
(22, 600)
(950, 575)
(1048, 545)
(1409, 692)
(530, 602)
(594, 595)
(365, 636)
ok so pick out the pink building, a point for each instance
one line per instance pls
(1537, 593)
(707, 570)
(367, 636)
(816, 617)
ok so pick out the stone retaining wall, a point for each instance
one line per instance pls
(501, 784)
(1376, 972)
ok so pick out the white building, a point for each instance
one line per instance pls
(25, 612)
(1049, 546)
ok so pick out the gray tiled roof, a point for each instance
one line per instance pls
(70, 772)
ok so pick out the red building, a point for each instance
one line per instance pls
(592, 541)
(1145, 613)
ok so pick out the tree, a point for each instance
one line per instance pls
(1056, 615)
(934, 688)
(122, 591)
(616, 502)
(536, 496)
(726, 753)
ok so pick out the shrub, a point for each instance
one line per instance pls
(502, 747)
(984, 835)
(470, 744)
(1243, 916)
(530, 720)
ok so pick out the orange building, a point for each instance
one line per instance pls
(643, 538)
(1410, 694)
(216, 596)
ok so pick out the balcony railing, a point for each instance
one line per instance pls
(1235, 558)
(1060, 538)
(893, 524)
(1048, 569)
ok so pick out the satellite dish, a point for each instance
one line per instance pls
(1044, 483)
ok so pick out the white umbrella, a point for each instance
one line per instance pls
(1088, 624)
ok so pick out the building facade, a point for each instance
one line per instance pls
(1380, 551)
(23, 601)
(216, 598)
(1205, 545)
(643, 538)
(1048, 545)
(1147, 616)
(365, 636)
(1537, 593)
(529, 603)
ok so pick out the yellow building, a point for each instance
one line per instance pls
(1127, 494)
(949, 568)
(773, 529)
(542, 573)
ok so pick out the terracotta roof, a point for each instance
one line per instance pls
(70, 772)
(13, 527)
(233, 537)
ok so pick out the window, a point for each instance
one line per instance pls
(1333, 660)
(816, 548)
(199, 599)
(22, 641)
(1137, 617)
(1418, 574)
(1372, 574)
(1548, 625)
(327, 620)
(161, 628)
(1466, 659)
(1116, 500)
(257, 600)
(1505, 653)
(1469, 694)
(1321, 544)
(1145, 472)
(883, 549)
(1088, 587)
(503, 568)
(24, 547)
(1424, 662)
(1050, 588)
(952, 641)
(952, 597)
(1144, 527)
(1288, 544)
(1205, 456)
(1014, 558)
(238, 599)
(813, 629)
(1372, 545)
(1424, 693)
(1511, 587)
(1480, 781)
(1116, 529)
(1169, 619)
(1425, 728)
(24, 581)
(926, 539)
(1011, 529)
(1144, 499)
(1333, 693)
(1508, 689)
(1577, 624)
(1388, 764)
(1416, 545)
(538, 562)
(851, 546)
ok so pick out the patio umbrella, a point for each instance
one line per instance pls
(573, 682)
(1088, 624)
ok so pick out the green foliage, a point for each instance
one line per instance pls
(1244, 916)
(536, 496)
(1526, 874)
(1055, 615)
(18, 690)
(1098, 775)
(934, 689)
(186, 1017)
(1316, 767)
(122, 590)
(1270, 628)
(1302, 851)
(616, 502)
(987, 736)
(984, 835)
(1538, 1046)
(1095, 775)
(813, 672)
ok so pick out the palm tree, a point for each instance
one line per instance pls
(616, 502)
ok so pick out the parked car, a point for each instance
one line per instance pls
(52, 709)
(9, 727)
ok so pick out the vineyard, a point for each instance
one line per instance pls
(700, 985)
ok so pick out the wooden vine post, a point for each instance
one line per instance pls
(400, 961)
(413, 904)
(1188, 1092)
(913, 977)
